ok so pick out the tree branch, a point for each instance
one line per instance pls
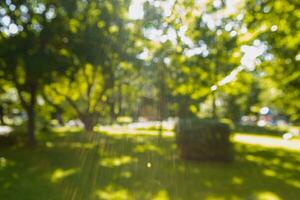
(71, 102)
(99, 98)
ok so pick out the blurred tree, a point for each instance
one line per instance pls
(277, 24)
(99, 43)
(206, 51)
(240, 96)
(31, 38)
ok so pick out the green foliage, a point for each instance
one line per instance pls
(240, 96)
(88, 60)
(204, 139)
(279, 25)
(29, 54)
(70, 52)
(100, 47)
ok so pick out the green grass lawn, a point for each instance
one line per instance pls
(119, 166)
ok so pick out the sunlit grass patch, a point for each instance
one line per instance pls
(113, 193)
(124, 130)
(294, 183)
(4, 162)
(267, 195)
(59, 174)
(80, 145)
(237, 180)
(147, 147)
(117, 161)
(268, 141)
(162, 195)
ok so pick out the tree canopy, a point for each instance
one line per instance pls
(97, 60)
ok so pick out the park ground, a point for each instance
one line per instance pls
(125, 164)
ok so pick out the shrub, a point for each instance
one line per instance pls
(204, 139)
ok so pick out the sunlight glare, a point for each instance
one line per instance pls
(136, 10)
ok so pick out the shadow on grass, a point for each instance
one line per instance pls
(94, 166)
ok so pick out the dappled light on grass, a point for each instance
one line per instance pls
(49, 144)
(161, 195)
(293, 183)
(237, 180)
(267, 195)
(147, 147)
(139, 166)
(112, 193)
(218, 197)
(117, 161)
(5, 163)
(125, 174)
(81, 145)
(60, 174)
(269, 172)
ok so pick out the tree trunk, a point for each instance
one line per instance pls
(59, 116)
(120, 100)
(58, 110)
(214, 107)
(31, 126)
(88, 122)
(161, 109)
(2, 115)
(31, 116)
(161, 98)
(113, 115)
(88, 126)
(29, 107)
(184, 111)
(215, 79)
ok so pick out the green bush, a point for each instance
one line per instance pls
(204, 139)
